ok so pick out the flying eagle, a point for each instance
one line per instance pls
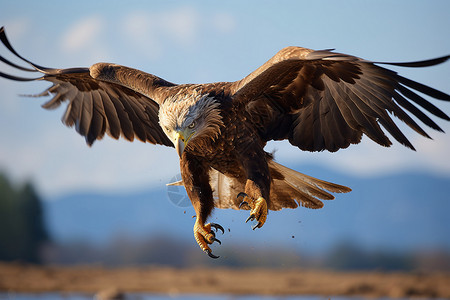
(318, 100)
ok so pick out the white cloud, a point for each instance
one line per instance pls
(137, 25)
(150, 31)
(141, 28)
(82, 34)
(223, 22)
(182, 26)
(153, 29)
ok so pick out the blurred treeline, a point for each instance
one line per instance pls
(167, 251)
(22, 229)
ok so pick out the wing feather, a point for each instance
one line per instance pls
(422, 102)
(86, 114)
(339, 129)
(416, 112)
(331, 99)
(97, 127)
(111, 115)
(54, 102)
(105, 98)
(75, 113)
(394, 108)
(136, 122)
(362, 114)
(327, 129)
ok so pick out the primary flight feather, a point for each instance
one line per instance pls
(318, 100)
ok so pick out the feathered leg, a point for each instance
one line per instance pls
(257, 187)
(196, 181)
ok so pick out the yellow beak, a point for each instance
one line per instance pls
(180, 143)
(182, 138)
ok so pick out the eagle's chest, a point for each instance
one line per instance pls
(224, 158)
(225, 152)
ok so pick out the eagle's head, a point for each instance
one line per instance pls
(189, 119)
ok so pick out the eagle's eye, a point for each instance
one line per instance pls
(192, 125)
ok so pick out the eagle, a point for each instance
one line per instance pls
(317, 100)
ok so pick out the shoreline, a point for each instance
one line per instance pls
(25, 278)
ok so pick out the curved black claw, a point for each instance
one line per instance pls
(217, 227)
(242, 204)
(241, 194)
(256, 226)
(251, 218)
(216, 240)
(211, 255)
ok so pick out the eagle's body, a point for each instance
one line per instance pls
(318, 100)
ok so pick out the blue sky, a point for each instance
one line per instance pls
(203, 41)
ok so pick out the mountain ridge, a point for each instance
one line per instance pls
(397, 212)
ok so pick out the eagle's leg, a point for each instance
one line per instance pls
(257, 189)
(203, 233)
(196, 181)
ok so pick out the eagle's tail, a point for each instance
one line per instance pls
(289, 189)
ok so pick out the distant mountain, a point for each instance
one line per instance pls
(400, 212)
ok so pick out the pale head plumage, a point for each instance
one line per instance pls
(190, 115)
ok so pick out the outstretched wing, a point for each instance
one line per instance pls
(321, 100)
(104, 98)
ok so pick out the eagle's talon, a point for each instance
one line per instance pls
(258, 212)
(211, 255)
(213, 239)
(204, 235)
(217, 227)
(259, 225)
(244, 203)
(242, 194)
(251, 218)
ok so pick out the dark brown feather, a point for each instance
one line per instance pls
(119, 104)
(315, 89)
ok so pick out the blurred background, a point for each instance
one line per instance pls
(64, 202)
